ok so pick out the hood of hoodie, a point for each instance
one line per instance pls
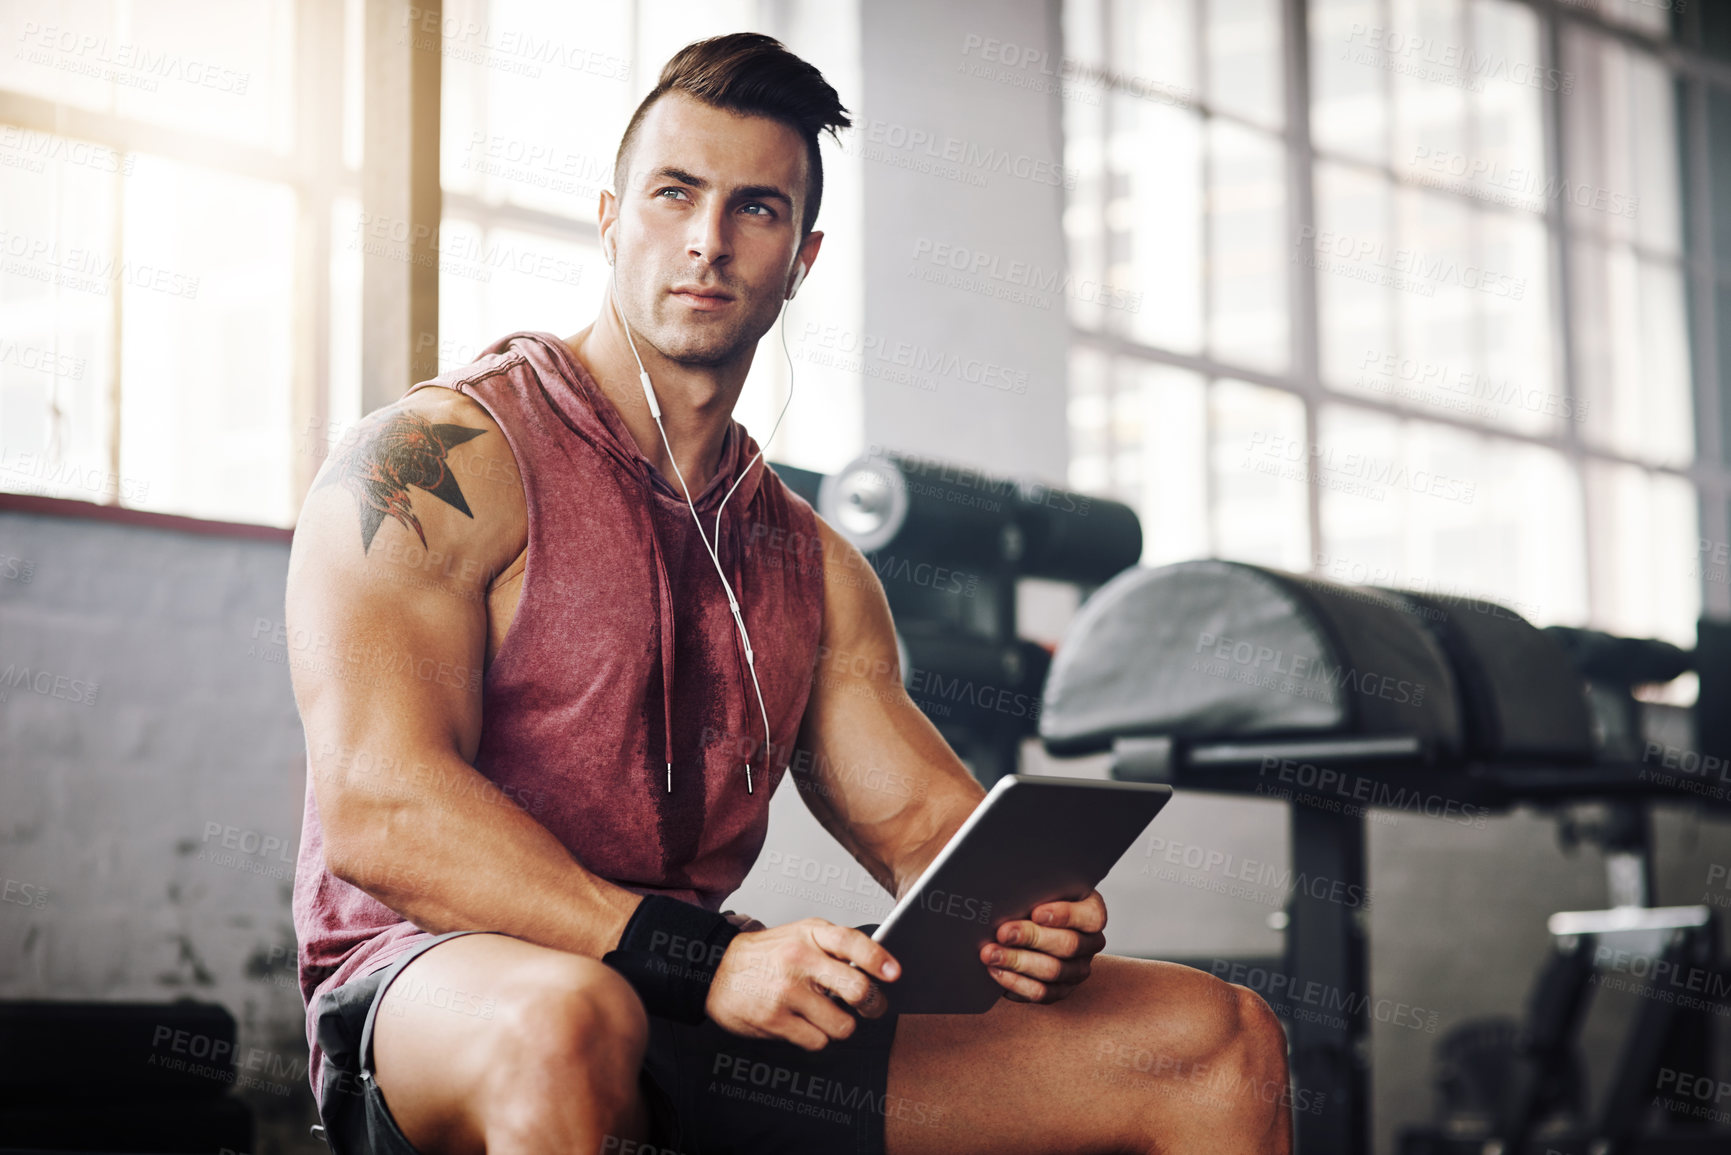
(589, 413)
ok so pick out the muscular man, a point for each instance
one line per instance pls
(531, 713)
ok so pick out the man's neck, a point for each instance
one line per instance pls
(696, 403)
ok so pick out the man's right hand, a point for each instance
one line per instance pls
(776, 983)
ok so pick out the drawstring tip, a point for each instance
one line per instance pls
(670, 777)
(748, 789)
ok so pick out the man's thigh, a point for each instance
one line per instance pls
(450, 1024)
(1129, 1051)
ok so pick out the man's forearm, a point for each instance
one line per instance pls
(941, 818)
(435, 845)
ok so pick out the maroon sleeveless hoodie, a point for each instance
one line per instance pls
(622, 657)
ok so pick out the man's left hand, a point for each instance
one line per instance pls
(1042, 958)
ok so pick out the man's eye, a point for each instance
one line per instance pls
(670, 189)
(767, 211)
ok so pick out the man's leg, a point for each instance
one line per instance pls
(1142, 1057)
(488, 1043)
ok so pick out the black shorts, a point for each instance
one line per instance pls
(709, 1092)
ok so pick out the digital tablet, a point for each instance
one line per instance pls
(1033, 839)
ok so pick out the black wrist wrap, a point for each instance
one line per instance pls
(669, 953)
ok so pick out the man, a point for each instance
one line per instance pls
(537, 715)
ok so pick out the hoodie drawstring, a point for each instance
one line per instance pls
(664, 617)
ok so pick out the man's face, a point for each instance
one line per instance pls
(711, 203)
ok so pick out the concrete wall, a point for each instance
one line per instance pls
(160, 812)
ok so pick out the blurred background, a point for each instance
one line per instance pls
(1415, 293)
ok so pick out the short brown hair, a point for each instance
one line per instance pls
(754, 75)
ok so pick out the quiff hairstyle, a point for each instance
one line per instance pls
(753, 75)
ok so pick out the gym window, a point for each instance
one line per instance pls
(1422, 305)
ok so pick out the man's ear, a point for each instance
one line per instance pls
(606, 216)
(803, 261)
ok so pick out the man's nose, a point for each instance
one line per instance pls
(710, 238)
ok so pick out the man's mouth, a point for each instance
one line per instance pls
(699, 297)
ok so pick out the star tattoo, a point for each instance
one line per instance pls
(390, 454)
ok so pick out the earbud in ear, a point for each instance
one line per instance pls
(798, 280)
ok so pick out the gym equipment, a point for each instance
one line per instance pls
(134, 1077)
(1221, 676)
(949, 544)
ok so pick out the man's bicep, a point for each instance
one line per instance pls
(386, 602)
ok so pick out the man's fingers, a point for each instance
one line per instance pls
(813, 1004)
(1059, 942)
(1029, 989)
(853, 986)
(857, 947)
(1087, 914)
(1035, 964)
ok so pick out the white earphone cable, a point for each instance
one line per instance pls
(732, 601)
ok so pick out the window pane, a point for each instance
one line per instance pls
(1090, 436)
(507, 131)
(1349, 102)
(1355, 314)
(1421, 49)
(1652, 17)
(206, 356)
(1620, 136)
(1153, 235)
(1632, 367)
(1260, 462)
(1153, 40)
(1172, 495)
(1245, 69)
(1512, 382)
(1248, 257)
(1642, 523)
(506, 280)
(222, 70)
(57, 237)
(1428, 507)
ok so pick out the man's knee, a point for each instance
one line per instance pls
(574, 1018)
(1250, 1061)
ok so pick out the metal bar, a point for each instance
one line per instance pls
(1326, 951)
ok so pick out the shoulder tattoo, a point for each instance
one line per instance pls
(389, 453)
